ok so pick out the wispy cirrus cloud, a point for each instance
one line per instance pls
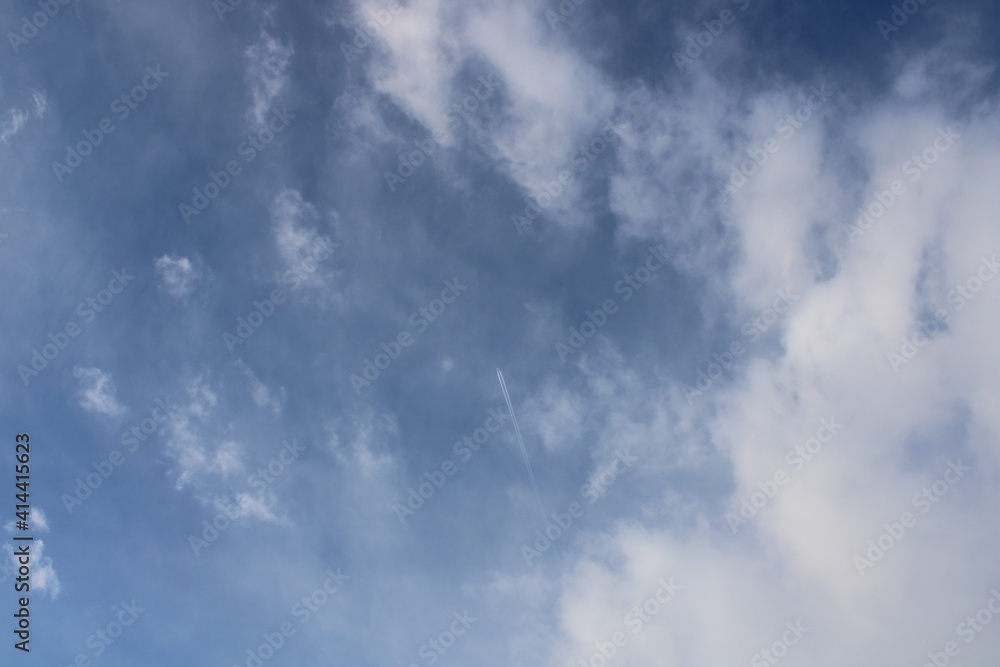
(98, 392)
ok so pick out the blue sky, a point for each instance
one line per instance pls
(735, 260)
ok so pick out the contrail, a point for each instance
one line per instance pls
(520, 440)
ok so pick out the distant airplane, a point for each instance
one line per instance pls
(517, 432)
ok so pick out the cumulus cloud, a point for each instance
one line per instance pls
(891, 286)
(787, 437)
(877, 343)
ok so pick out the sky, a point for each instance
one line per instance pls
(546, 333)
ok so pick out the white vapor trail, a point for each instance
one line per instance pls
(524, 452)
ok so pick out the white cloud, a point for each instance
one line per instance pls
(211, 464)
(187, 439)
(17, 120)
(43, 572)
(420, 55)
(357, 117)
(41, 103)
(98, 392)
(547, 100)
(178, 275)
(369, 437)
(558, 417)
(794, 558)
(557, 101)
(260, 506)
(227, 459)
(37, 521)
(303, 250)
(262, 396)
(267, 62)
(294, 220)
